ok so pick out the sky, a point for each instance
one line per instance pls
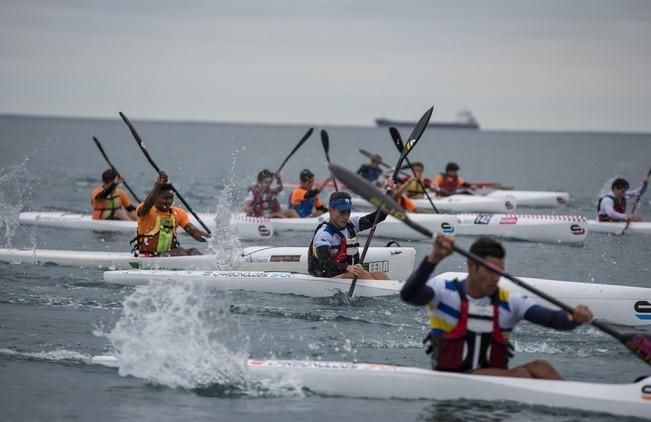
(520, 65)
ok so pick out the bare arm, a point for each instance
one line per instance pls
(150, 201)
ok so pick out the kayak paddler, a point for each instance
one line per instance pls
(305, 198)
(471, 320)
(110, 202)
(612, 206)
(158, 220)
(334, 249)
(416, 184)
(372, 170)
(261, 199)
(445, 184)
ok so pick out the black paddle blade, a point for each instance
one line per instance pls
(397, 139)
(413, 138)
(640, 344)
(325, 141)
(375, 196)
(301, 142)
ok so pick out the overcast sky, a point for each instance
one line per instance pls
(547, 65)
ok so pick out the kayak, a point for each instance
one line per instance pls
(391, 227)
(260, 281)
(623, 305)
(381, 381)
(396, 262)
(637, 227)
(528, 198)
(248, 228)
(457, 203)
(530, 227)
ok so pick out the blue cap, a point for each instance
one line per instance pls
(341, 204)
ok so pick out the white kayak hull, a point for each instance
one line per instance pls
(457, 203)
(528, 198)
(390, 228)
(259, 281)
(396, 262)
(623, 305)
(618, 304)
(637, 227)
(380, 381)
(247, 228)
(530, 227)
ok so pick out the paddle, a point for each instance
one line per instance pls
(638, 343)
(301, 142)
(397, 140)
(411, 142)
(645, 185)
(153, 164)
(325, 141)
(124, 182)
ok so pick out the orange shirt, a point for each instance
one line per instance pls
(103, 207)
(438, 179)
(298, 196)
(147, 222)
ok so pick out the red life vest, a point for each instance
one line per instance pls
(456, 350)
(342, 256)
(619, 205)
(264, 202)
(449, 184)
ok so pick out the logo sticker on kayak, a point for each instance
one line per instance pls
(377, 266)
(447, 228)
(285, 258)
(646, 392)
(577, 230)
(264, 230)
(643, 309)
(509, 219)
(483, 219)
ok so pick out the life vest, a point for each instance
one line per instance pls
(262, 203)
(161, 238)
(414, 188)
(475, 342)
(305, 207)
(348, 250)
(619, 206)
(449, 184)
(104, 209)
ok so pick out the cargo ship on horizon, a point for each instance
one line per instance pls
(465, 120)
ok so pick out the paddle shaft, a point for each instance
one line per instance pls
(124, 182)
(153, 164)
(301, 142)
(415, 135)
(397, 140)
(325, 141)
(637, 201)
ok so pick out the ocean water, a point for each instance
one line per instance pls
(182, 347)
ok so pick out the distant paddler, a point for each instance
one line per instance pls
(110, 202)
(404, 201)
(416, 184)
(334, 249)
(371, 171)
(612, 206)
(262, 199)
(157, 223)
(305, 198)
(447, 183)
(471, 320)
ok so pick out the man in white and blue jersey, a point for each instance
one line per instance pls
(334, 250)
(471, 320)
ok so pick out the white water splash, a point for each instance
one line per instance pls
(224, 242)
(179, 335)
(14, 189)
